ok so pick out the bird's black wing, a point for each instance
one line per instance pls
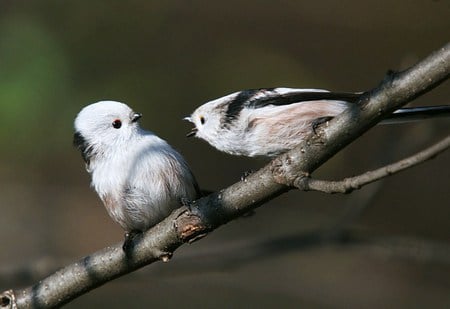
(257, 98)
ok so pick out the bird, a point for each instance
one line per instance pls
(267, 122)
(138, 176)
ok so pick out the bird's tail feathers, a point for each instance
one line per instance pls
(410, 114)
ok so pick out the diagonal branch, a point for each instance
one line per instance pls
(349, 184)
(188, 224)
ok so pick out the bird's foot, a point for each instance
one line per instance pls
(319, 121)
(246, 174)
(129, 242)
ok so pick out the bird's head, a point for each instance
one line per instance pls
(210, 119)
(102, 125)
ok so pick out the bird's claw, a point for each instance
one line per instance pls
(130, 238)
(319, 121)
(246, 174)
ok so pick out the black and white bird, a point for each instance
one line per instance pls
(139, 177)
(269, 121)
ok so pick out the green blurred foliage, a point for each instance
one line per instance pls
(33, 82)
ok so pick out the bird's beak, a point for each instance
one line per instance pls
(136, 117)
(193, 132)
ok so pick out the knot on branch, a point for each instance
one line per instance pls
(390, 77)
(8, 300)
(285, 172)
(190, 225)
(303, 183)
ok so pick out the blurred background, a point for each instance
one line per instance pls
(386, 245)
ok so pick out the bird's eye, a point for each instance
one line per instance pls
(117, 124)
(202, 120)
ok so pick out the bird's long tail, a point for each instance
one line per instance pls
(410, 114)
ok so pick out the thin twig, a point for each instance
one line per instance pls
(349, 184)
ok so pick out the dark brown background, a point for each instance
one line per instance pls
(165, 58)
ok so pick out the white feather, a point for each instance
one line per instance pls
(139, 177)
(265, 131)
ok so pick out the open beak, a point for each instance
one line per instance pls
(194, 130)
(192, 133)
(136, 117)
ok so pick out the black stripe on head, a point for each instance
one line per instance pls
(83, 146)
(242, 100)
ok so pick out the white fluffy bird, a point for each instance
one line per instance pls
(269, 121)
(139, 177)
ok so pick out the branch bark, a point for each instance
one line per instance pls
(190, 223)
(349, 184)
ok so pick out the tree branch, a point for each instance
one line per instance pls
(188, 224)
(349, 184)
